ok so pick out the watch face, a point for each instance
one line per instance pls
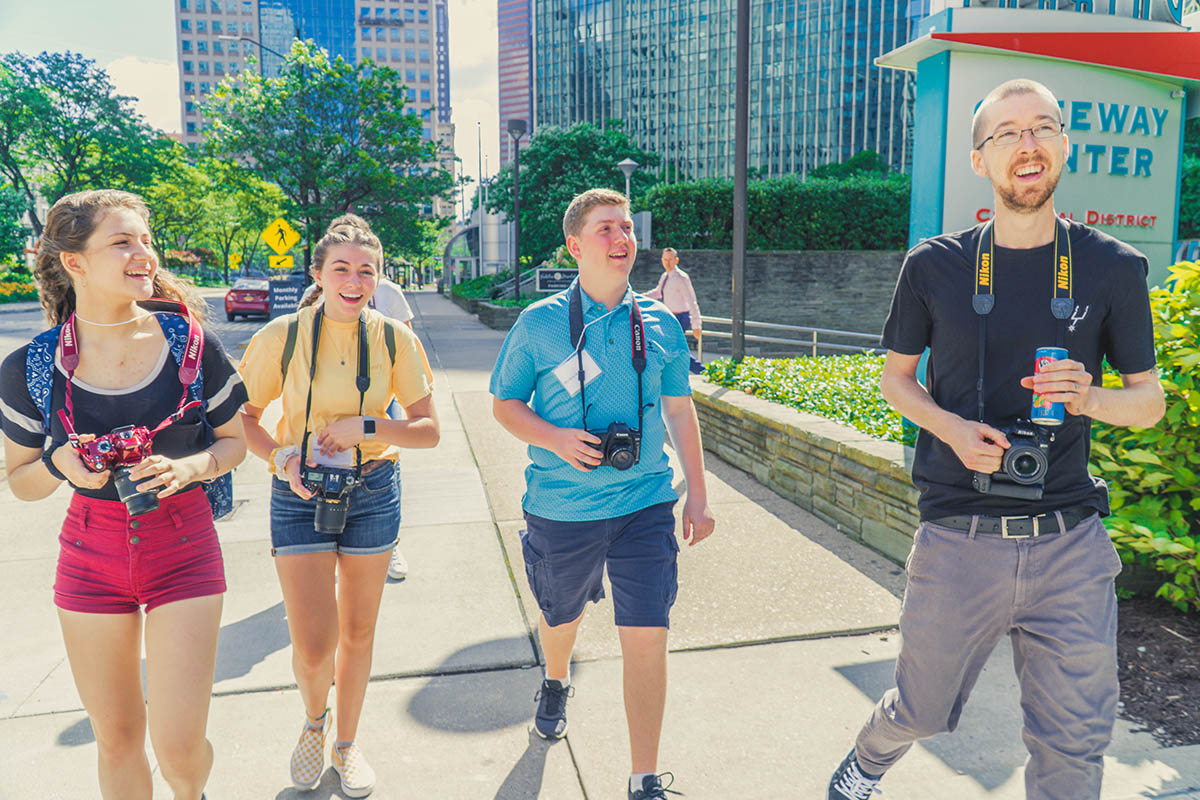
(368, 428)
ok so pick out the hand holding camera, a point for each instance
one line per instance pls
(979, 446)
(163, 476)
(70, 463)
(577, 447)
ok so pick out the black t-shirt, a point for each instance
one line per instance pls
(99, 411)
(932, 308)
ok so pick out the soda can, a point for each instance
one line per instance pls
(1043, 411)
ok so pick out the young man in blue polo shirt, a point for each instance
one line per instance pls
(598, 359)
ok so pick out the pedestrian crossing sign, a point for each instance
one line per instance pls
(280, 236)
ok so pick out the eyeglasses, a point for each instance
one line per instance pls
(1045, 130)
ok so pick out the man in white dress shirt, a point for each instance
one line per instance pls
(676, 293)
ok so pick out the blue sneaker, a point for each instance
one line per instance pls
(849, 782)
(550, 721)
(652, 788)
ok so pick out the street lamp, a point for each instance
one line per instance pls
(628, 166)
(516, 129)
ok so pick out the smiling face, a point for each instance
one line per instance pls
(605, 242)
(669, 260)
(347, 279)
(118, 261)
(1024, 174)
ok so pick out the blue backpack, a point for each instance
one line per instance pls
(39, 375)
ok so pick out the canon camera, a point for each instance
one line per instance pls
(1025, 463)
(620, 445)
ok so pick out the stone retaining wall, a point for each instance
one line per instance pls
(857, 484)
(499, 318)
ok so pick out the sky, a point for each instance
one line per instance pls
(137, 48)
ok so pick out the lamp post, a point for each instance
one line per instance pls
(628, 167)
(741, 134)
(516, 129)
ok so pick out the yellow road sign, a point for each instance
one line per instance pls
(280, 262)
(235, 259)
(280, 236)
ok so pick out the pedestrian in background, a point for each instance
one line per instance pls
(675, 291)
(110, 362)
(347, 365)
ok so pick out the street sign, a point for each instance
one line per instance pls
(280, 236)
(285, 295)
(555, 280)
(280, 262)
(235, 259)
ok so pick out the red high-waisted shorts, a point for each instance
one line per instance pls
(111, 563)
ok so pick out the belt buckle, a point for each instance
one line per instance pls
(1006, 535)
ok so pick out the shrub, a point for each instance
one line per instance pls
(479, 288)
(859, 212)
(843, 388)
(17, 291)
(1152, 472)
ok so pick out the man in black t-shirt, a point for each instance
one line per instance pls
(988, 564)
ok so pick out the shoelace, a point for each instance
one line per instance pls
(854, 784)
(658, 792)
(556, 698)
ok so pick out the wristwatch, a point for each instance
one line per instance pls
(368, 428)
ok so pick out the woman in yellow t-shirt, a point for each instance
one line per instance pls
(335, 494)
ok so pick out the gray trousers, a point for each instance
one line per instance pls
(1053, 595)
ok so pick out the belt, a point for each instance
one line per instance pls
(371, 466)
(1018, 527)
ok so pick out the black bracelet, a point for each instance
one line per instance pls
(46, 459)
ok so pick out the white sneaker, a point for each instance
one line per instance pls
(398, 568)
(358, 779)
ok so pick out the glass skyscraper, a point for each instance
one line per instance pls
(330, 23)
(665, 68)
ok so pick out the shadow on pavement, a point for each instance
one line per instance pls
(524, 780)
(248, 641)
(78, 734)
(329, 787)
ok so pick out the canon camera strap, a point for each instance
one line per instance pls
(362, 382)
(579, 341)
(984, 300)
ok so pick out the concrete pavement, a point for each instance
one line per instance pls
(783, 638)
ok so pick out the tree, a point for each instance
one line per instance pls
(240, 205)
(63, 128)
(12, 232)
(331, 135)
(864, 162)
(558, 164)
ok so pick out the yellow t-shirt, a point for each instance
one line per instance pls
(335, 395)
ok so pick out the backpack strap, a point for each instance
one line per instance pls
(175, 331)
(289, 344)
(389, 338)
(39, 371)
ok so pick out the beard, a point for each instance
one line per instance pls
(1031, 200)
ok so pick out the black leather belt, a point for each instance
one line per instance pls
(1018, 527)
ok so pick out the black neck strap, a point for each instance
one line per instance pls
(579, 341)
(362, 382)
(1062, 282)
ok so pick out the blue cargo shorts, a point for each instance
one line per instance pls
(565, 562)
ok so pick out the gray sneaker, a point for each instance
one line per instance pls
(849, 782)
(550, 721)
(398, 566)
(653, 789)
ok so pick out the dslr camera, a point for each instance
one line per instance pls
(120, 450)
(621, 446)
(1023, 468)
(331, 487)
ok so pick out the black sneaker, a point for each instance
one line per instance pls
(849, 782)
(652, 788)
(550, 722)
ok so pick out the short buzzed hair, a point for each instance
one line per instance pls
(1006, 90)
(671, 250)
(585, 202)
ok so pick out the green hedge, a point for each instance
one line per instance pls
(479, 288)
(862, 212)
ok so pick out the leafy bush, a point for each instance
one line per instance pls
(479, 288)
(843, 388)
(1152, 472)
(1189, 198)
(510, 302)
(859, 212)
(17, 291)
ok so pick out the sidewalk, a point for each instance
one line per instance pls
(782, 637)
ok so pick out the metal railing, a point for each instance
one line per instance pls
(806, 338)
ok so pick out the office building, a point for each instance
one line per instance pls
(665, 68)
(514, 19)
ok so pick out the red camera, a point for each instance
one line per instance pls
(123, 447)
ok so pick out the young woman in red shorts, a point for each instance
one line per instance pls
(113, 362)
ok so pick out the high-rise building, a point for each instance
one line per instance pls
(665, 69)
(213, 37)
(514, 19)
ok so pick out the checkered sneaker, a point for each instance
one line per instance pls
(358, 779)
(308, 759)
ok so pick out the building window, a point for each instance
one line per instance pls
(364, 12)
(189, 107)
(216, 27)
(247, 7)
(423, 15)
(410, 15)
(380, 54)
(379, 36)
(189, 87)
(233, 68)
(203, 87)
(366, 52)
(427, 113)
(219, 67)
(425, 96)
(214, 6)
(219, 48)
(410, 54)
(411, 94)
(410, 74)
(202, 46)
(379, 12)
(186, 45)
(394, 14)
(185, 5)
(185, 24)
(247, 28)
(231, 6)
(201, 26)
(191, 126)
(424, 55)
(187, 66)
(409, 35)
(366, 34)
(396, 54)
(203, 67)
(423, 35)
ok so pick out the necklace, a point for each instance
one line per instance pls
(110, 324)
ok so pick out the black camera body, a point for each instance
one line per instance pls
(331, 487)
(621, 446)
(1025, 464)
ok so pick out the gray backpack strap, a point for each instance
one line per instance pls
(289, 345)
(389, 337)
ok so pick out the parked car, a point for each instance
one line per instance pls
(248, 296)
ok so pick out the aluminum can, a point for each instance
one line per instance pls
(1044, 412)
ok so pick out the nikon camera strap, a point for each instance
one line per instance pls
(362, 382)
(984, 300)
(579, 341)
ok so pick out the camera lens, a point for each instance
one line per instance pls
(331, 516)
(621, 457)
(137, 503)
(1026, 464)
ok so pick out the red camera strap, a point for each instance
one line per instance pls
(189, 367)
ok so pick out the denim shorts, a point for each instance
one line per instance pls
(372, 519)
(565, 562)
